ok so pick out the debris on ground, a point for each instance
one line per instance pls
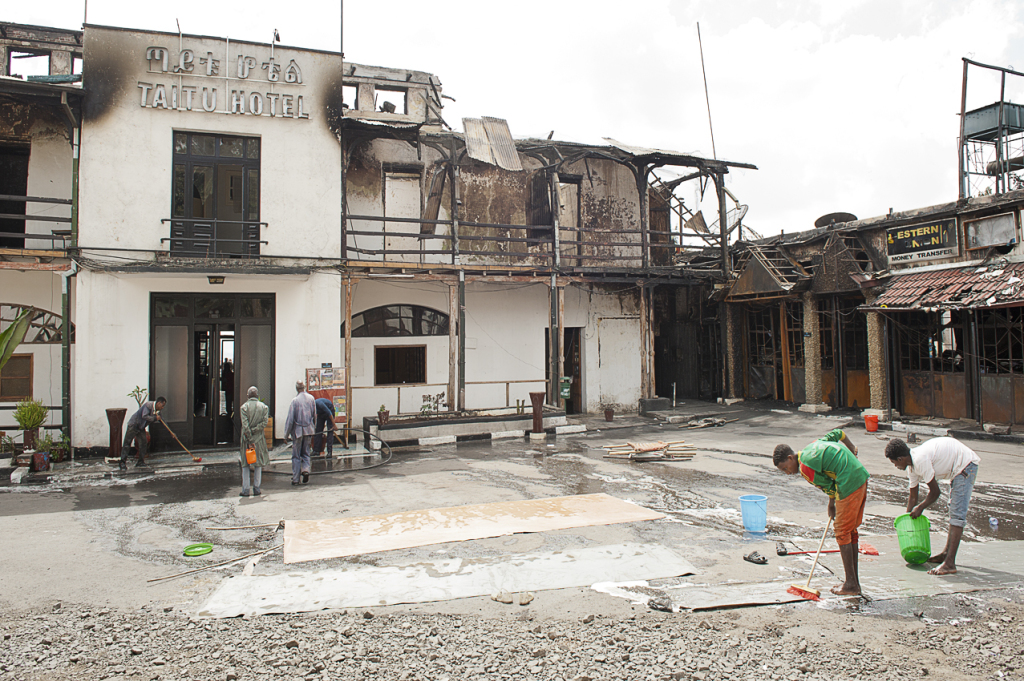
(709, 422)
(677, 450)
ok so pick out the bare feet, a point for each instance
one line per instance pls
(844, 590)
(938, 558)
(943, 570)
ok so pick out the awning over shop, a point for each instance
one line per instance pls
(998, 285)
(768, 272)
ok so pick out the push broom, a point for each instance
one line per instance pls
(195, 458)
(805, 591)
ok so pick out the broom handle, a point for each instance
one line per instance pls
(176, 438)
(817, 554)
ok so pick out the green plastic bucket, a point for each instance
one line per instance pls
(915, 540)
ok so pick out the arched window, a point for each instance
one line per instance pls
(399, 320)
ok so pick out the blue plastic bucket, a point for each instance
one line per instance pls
(755, 512)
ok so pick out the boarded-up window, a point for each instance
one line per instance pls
(16, 379)
(538, 212)
(398, 365)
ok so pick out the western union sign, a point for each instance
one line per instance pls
(928, 241)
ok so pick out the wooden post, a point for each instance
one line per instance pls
(462, 340)
(650, 342)
(561, 344)
(787, 374)
(348, 359)
(643, 343)
(453, 345)
(553, 342)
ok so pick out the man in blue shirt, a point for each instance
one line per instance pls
(136, 432)
(324, 415)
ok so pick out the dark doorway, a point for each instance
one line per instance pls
(13, 182)
(206, 351)
(574, 370)
(213, 384)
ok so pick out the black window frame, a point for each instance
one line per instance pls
(202, 237)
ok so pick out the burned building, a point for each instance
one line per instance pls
(40, 122)
(249, 211)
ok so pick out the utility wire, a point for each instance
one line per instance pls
(707, 99)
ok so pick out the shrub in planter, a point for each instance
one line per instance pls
(30, 414)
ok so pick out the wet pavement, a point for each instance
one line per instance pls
(146, 517)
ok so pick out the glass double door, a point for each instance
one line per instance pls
(206, 351)
(215, 391)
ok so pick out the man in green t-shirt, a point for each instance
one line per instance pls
(831, 465)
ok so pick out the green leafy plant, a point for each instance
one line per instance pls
(30, 414)
(12, 336)
(382, 408)
(140, 394)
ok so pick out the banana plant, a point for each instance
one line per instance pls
(12, 336)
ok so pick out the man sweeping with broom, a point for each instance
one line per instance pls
(831, 465)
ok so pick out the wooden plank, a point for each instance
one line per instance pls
(38, 266)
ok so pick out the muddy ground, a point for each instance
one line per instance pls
(92, 545)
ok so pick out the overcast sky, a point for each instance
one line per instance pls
(843, 106)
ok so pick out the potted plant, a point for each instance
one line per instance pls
(609, 414)
(30, 414)
(382, 415)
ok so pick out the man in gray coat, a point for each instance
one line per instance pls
(299, 428)
(254, 415)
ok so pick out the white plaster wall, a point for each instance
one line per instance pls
(505, 332)
(49, 176)
(126, 157)
(113, 336)
(41, 290)
(611, 342)
(366, 399)
(505, 327)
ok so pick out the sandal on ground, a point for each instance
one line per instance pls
(755, 558)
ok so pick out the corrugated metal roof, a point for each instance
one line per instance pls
(957, 288)
(488, 140)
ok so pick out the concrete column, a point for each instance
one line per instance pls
(734, 364)
(876, 359)
(812, 356)
(60, 63)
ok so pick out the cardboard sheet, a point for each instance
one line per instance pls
(425, 581)
(319, 539)
(980, 567)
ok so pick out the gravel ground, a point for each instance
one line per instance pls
(785, 642)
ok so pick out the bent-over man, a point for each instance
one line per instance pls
(324, 417)
(298, 428)
(831, 465)
(147, 414)
(941, 458)
(254, 416)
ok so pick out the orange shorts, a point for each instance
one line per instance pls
(849, 515)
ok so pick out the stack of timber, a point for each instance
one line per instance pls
(652, 451)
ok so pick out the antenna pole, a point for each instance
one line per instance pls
(707, 99)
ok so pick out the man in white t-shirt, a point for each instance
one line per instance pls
(941, 458)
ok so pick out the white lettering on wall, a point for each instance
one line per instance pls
(209, 99)
(179, 96)
(245, 64)
(159, 97)
(159, 54)
(145, 87)
(237, 102)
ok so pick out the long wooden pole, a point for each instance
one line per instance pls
(194, 457)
